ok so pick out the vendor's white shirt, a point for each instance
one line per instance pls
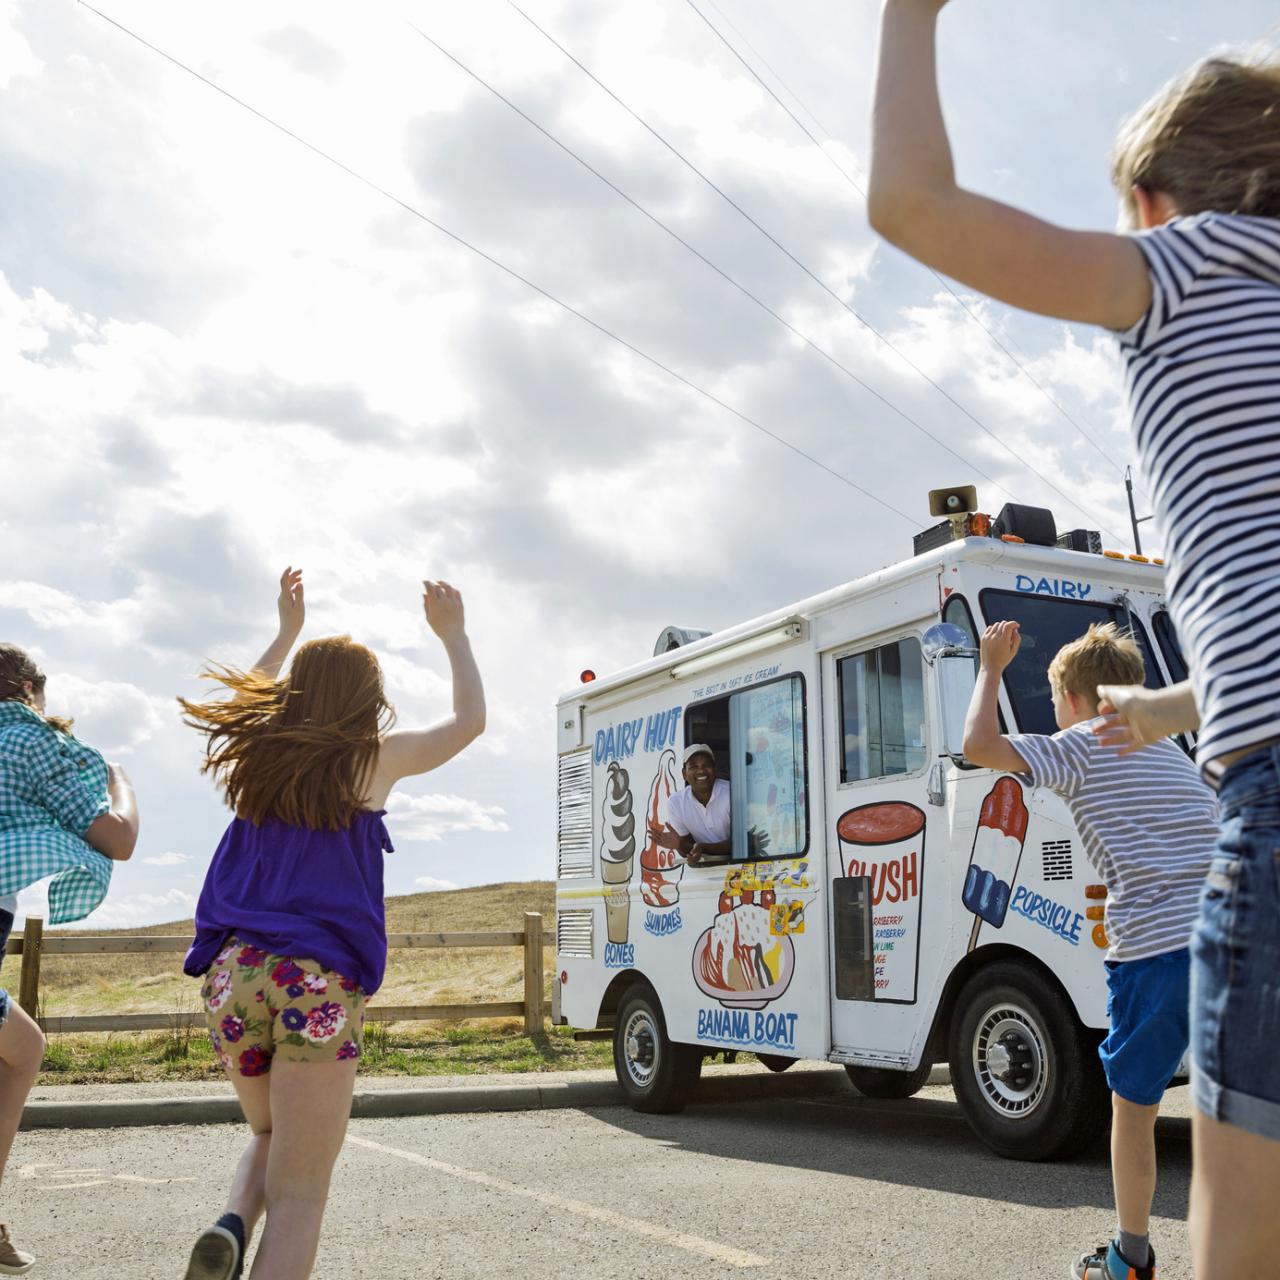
(707, 824)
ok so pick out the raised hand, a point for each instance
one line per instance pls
(664, 836)
(1000, 644)
(290, 605)
(1134, 717)
(442, 606)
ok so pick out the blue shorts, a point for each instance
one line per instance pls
(1148, 1007)
(1235, 955)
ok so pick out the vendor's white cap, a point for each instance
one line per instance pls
(696, 749)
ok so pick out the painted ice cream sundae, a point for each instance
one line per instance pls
(739, 961)
(661, 865)
(617, 850)
(997, 850)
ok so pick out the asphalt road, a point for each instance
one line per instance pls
(840, 1187)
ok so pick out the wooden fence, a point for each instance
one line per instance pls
(33, 944)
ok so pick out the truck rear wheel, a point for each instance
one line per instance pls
(881, 1082)
(1025, 1072)
(656, 1074)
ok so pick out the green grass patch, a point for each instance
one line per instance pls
(397, 1049)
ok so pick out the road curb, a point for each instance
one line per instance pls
(371, 1104)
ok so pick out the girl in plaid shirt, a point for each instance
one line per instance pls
(66, 813)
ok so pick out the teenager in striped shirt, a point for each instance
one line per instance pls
(1194, 297)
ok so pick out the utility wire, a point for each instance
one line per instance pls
(782, 248)
(501, 266)
(724, 275)
(941, 279)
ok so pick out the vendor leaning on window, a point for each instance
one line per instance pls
(698, 815)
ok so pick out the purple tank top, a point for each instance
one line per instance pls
(299, 892)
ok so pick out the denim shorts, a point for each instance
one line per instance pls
(1235, 955)
(6, 1002)
(1148, 1007)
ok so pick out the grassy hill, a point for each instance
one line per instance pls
(145, 983)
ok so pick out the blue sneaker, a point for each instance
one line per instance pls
(1106, 1263)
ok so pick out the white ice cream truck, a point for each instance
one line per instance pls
(908, 908)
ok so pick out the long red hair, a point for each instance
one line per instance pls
(300, 748)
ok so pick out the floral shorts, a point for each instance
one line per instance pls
(259, 1006)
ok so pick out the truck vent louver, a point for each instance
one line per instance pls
(1056, 859)
(575, 932)
(573, 828)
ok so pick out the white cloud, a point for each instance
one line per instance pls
(166, 860)
(140, 908)
(219, 355)
(430, 883)
(16, 57)
(120, 910)
(431, 817)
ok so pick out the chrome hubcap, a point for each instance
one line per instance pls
(1011, 1060)
(640, 1047)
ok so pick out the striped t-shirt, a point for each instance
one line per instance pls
(1203, 377)
(1148, 824)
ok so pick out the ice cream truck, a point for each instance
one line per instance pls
(907, 908)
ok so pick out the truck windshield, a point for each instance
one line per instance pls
(1047, 623)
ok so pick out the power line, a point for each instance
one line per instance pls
(501, 266)
(782, 248)
(724, 275)
(941, 279)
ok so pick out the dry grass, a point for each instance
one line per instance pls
(145, 983)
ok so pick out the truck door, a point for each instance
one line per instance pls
(879, 846)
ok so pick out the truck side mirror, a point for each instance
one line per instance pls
(955, 679)
(947, 649)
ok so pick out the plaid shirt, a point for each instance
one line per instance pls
(52, 788)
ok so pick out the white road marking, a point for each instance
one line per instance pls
(677, 1239)
(150, 1182)
(57, 1171)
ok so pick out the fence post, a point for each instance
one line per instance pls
(29, 975)
(532, 973)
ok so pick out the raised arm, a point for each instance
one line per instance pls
(914, 201)
(984, 744)
(116, 833)
(291, 611)
(412, 751)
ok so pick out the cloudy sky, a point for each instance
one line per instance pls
(222, 354)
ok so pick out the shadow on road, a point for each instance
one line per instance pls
(921, 1142)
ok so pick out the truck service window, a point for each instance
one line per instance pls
(768, 799)
(758, 738)
(882, 711)
(1047, 623)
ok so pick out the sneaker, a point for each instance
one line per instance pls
(1106, 1263)
(13, 1261)
(215, 1256)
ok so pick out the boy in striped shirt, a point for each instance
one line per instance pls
(1148, 825)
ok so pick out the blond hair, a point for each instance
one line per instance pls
(1209, 139)
(300, 748)
(1103, 655)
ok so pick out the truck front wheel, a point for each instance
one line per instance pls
(656, 1074)
(1025, 1072)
